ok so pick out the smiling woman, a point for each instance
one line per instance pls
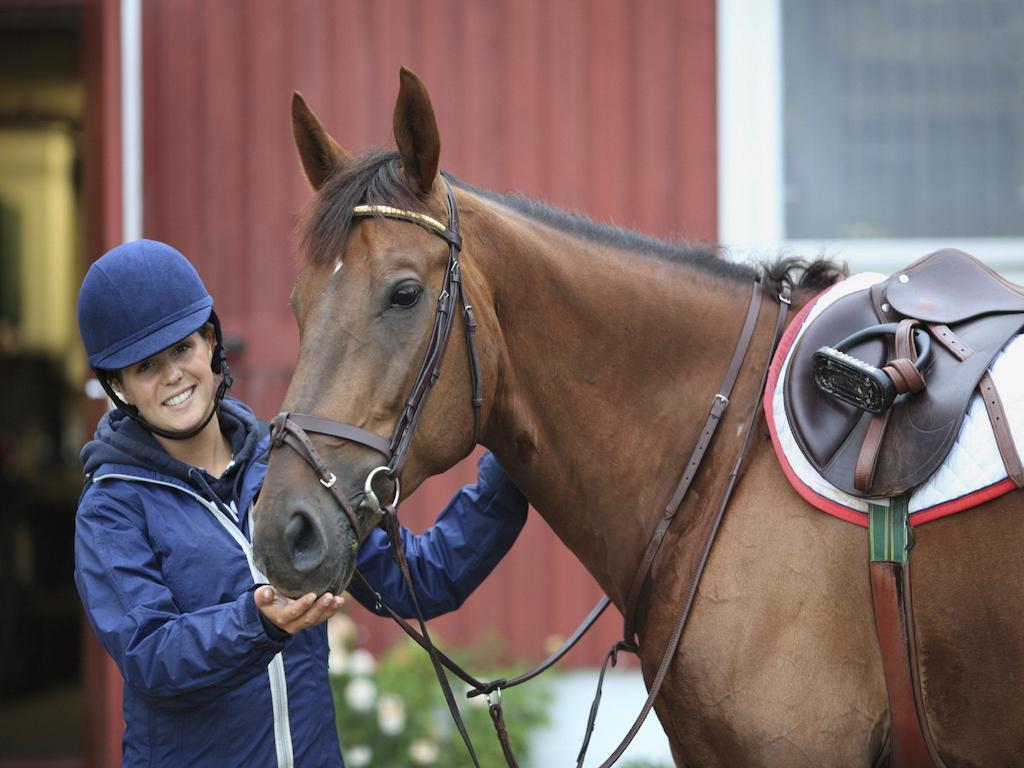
(220, 668)
(174, 391)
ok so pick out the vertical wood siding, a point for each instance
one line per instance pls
(607, 107)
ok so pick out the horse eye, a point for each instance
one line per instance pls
(406, 295)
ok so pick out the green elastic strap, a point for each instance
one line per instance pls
(888, 530)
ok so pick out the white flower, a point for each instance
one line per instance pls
(423, 752)
(341, 630)
(479, 701)
(358, 756)
(361, 662)
(361, 694)
(338, 661)
(391, 714)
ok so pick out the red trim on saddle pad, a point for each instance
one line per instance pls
(952, 506)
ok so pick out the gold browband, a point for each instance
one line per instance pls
(399, 213)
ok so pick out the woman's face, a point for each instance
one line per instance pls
(174, 388)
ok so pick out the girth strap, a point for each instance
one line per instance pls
(890, 591)
(889, 544)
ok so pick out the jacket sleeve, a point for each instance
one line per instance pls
(450, 559)
(180, 658)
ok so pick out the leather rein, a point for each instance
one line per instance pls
(292, 429)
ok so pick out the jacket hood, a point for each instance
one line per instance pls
(121, 441)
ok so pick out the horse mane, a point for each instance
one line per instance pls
(375, 177)
(812, 275)
(702, 255)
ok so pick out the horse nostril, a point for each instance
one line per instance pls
(305, 542)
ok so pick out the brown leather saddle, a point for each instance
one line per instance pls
(865, 446)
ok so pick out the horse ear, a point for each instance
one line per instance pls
(416, 133)
(320, 154)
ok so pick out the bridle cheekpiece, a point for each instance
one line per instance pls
(292, 428)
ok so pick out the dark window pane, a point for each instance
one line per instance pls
(903, 118)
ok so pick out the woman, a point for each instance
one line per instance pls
(219, 669)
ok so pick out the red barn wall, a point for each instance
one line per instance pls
(607, 107)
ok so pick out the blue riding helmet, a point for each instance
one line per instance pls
(136, 300)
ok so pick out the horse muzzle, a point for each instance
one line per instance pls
(302, 546)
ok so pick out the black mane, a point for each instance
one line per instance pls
(375, 177)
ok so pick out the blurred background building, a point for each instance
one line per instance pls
(871, 131)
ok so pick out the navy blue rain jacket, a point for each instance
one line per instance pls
(163, 564)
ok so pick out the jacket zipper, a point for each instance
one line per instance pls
(275, 670)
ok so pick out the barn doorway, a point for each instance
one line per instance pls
(43, 372)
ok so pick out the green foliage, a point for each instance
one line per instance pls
(391, 711)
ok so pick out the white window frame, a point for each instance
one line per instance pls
(751, 218)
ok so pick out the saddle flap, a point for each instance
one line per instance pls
(822, 423)
(950, 286)
(922, 426)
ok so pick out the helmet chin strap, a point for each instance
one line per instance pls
(219, 364)
(133, 412)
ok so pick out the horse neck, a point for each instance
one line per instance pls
(610, 362)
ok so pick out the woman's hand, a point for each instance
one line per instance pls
(295, 615)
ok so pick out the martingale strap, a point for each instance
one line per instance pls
(627, 643)
(718, 405)
(478, 687)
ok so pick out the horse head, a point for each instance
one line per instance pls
(378, 282)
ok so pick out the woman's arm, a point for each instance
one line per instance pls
(184, 658)
(450, 559)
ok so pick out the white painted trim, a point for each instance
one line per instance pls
(750, 180)
(131, 120)
(751, 218)
(624, 692)
(1003, 254)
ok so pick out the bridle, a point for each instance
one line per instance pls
(289, 428)
(292, 429)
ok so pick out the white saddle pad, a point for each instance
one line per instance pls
(972, 472)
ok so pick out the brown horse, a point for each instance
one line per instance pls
(600, 351)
